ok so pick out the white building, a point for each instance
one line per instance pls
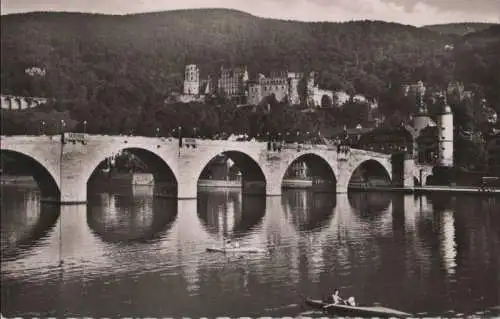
(445, 133)
(191, 80)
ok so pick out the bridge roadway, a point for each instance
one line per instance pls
(70, 160)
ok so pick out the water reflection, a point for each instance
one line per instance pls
(370, 205)
(435, 257)
(230, 213)
(130, 217)
(25, 222)
(307, 210)
(448, 243)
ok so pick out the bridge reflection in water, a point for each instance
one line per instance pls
(133, 254)
(25, 222)
(131, 217)
(230, 214)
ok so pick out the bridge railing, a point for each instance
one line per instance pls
(76, 137)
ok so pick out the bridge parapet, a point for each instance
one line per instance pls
(231, 144)
(370, 153)
(30, 138)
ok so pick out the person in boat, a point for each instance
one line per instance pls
(229, 244)
(336, 300)
(351, 302)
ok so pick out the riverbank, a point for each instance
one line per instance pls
(147, 180)
(219, 183)
(17, 180)
(429, 189)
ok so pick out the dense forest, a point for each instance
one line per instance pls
(116, 71)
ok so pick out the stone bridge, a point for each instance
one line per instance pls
(68, 161)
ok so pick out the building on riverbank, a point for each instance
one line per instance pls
(17, 103)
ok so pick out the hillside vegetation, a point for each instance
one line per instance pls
(459, 28)
(115, 71)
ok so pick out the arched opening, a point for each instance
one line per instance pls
(416, 182)
(427, 145)
(25, 221)
(229, 213)
(326, 101)
(310, 171)
(308, 211)
(232, 169)
(134, 169)
(368, 175)
(21, 171)
(131, 218)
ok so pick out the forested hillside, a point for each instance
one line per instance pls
(117, 70)
(459, 28)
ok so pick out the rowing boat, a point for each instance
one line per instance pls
(248, 250)
(359, 311)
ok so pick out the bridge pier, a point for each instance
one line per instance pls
(73, 191)
(73, 180)
(341, 189)
(73, 197)
(409, 173)
(273, 188)
(187, 190)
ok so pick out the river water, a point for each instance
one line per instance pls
(126, 253)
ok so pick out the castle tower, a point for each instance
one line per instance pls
(311, 81)
(445, 133)
(192, 80)
(293, 88)
(421, 118)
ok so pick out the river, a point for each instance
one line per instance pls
(126, 253)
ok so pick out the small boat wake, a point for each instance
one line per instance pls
(247, 250)
(293, 305)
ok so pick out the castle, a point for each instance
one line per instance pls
(283, 85)
(236, 85)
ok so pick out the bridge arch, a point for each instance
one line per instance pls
(253, 175)
(370, 172)
(313, 166)
(153, 156)
(44, 172)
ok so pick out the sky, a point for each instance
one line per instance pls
(414, 12)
